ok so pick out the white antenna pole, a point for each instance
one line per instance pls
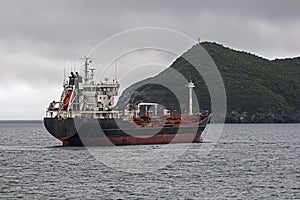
(64, 71)
(73, 65)
(64, 75)
(116, 69)
(70, 64)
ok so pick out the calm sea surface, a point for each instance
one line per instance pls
(248, 162)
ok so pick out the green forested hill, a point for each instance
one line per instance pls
(257, 89)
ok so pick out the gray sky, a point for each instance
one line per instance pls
(38, 39)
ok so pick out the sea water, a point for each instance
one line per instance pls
(257, 161)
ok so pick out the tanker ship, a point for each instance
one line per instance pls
(86, 115)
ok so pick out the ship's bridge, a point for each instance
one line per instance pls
(82, 97)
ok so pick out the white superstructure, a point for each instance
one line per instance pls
(82, 97)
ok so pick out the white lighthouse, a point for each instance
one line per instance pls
(191, 85)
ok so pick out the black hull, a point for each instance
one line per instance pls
(83, 132)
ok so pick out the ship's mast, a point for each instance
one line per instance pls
(190, 86)
(116, 70)
(87, 61)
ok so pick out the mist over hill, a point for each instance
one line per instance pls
(258, 90)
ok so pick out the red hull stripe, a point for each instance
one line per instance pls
(129, 140)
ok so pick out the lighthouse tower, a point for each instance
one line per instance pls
(191, 85)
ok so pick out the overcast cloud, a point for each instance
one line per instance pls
(38, 39)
